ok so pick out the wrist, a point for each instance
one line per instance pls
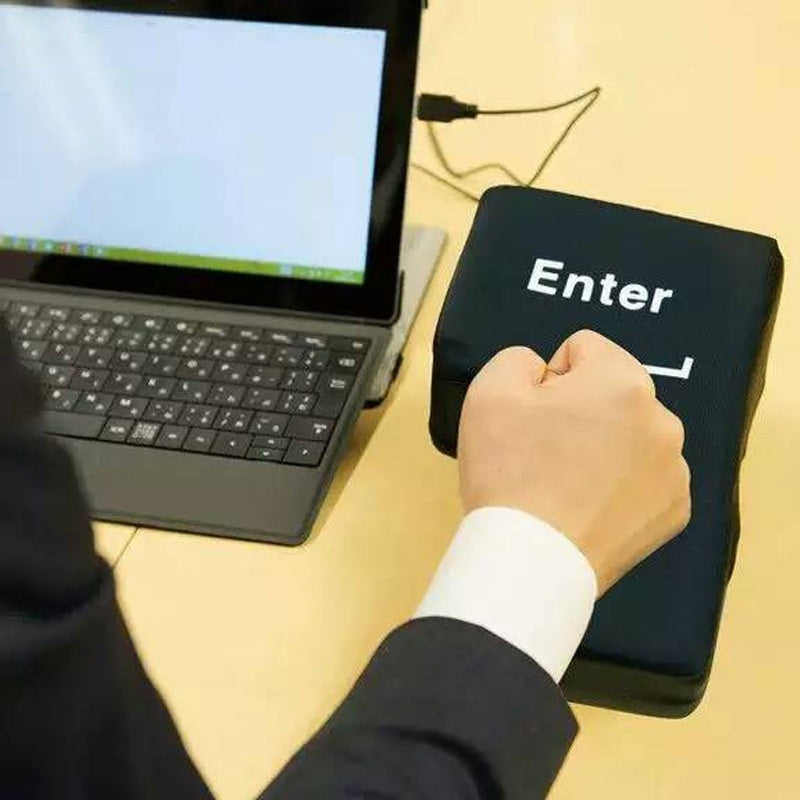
(519, 578)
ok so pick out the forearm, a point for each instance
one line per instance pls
(445, 710)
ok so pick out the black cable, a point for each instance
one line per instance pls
(541, 109)
(431, 174)
(438, 108)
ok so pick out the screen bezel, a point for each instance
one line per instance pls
(376, 299)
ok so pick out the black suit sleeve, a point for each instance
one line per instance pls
(444, 710)
(78, 717)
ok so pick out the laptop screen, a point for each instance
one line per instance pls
(222, 145)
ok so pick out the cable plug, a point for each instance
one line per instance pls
(443, 108)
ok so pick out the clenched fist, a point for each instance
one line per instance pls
(581, 443)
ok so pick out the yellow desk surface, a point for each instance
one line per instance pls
(254, 645)
(111, 540)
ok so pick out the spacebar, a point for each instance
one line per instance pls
(64, 423)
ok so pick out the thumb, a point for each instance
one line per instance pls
(516, 366)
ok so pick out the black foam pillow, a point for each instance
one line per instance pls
(697, 303)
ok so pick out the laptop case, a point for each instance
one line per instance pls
(694, 302)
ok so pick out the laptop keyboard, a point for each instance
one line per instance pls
(178, 384)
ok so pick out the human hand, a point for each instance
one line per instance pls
(581, 443)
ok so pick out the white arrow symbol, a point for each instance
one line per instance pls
(684, 373)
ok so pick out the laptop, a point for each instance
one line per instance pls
(201, 211)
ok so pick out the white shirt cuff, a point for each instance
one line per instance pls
(519, 578)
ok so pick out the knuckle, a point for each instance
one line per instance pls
(586, 337)
(641, 377)
(639, 394)
(674, 431)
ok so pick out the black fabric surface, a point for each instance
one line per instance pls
(650, 643)
(445, 710)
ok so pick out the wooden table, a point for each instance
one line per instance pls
(254, 645)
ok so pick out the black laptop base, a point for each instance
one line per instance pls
(195, 418)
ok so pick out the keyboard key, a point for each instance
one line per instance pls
(116, 430)
(214, 329)
(248, 334)
(132, 407)
(193, 391)
(86, 317)
(300, 380)
(227, 349)
(145, 323)
(33, 366)
(197, 416)
(80, 426)
(272, 442)
(122, 383)
(161, 343)
(195, 346)
(160, 388)
(129, 340)
(224, 395)
(118, 320)
(265, 454)
(165, 366)
(312, 340)
(89, 380)
(269, 424)
(61, 399)
(255, 353)
(58, 353)
(264, 377)
(235, 445)
(286, 357)
(347, 362)
(199, 441)
(230, 372)
(96, 336)
(195, 368)
(95, 357)
(315, 359)
(128, 361)
(172, 437)
(26, 309)
(34, 328)
(304, 454)
(31, 349)
(333, 391)
(163, 411)
(56, 313)
(348, 345)
(230, 419)
(261, 399)
(54, 375)
(67, 332)
(180, 326)
(144, 433)
(310, 429)
(336, 383)
(94, 403)
(280, 337)
(296, 403)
